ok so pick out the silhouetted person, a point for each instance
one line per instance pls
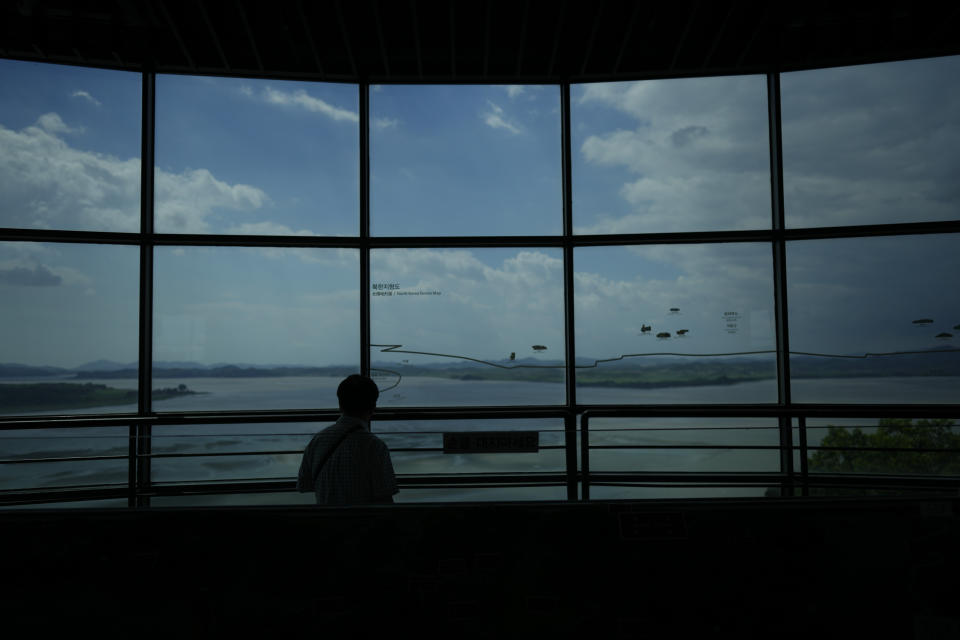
(345, 463)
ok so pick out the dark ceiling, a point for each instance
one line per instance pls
(482, 41)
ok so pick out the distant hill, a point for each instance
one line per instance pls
(13, 370)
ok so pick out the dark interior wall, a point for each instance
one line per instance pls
(797, 569)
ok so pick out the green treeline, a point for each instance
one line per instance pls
(934, 439)
(931, 445)
(46, 396)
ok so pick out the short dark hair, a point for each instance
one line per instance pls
(357, 394)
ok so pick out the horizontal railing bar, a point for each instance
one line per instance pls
(773, 447)
(883, 449)
(68, 459)
(215, 454)
(916, 411)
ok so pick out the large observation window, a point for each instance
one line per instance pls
(670, 155)
(465, 160)
(69, 148)
(463, 281)
(256, 157)
(872, 144)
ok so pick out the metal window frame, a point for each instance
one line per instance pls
(577, 476)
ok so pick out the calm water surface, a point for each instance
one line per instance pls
(284, 441)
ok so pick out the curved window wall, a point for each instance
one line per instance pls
(725, 286)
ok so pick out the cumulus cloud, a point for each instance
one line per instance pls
(185, 200)
(696, 157)
(304, 100)
(48, 183)
(495, 118)
(85, 95)
(53, 123)
(865, 144)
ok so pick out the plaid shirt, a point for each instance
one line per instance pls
(359, 471)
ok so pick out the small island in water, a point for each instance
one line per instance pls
(46, 396)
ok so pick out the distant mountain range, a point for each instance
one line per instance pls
(939, 362)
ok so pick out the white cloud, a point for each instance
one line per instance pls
(302, 99)
(79, 93)
(495, 119)
(53, 123)
(696, 159)
(246, 90)
(514, 90)
(47, 183)
(184, 200)
(385, 123)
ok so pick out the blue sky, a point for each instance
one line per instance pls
(876, 143)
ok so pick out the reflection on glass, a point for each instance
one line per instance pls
(416, 447)
(246, 156)
(69, 148)
(467, 326)
(646, 445)
(241, 452)
(873, 319)
(68, 328)
(895, 446)
(465, 160)
(245, 328)
(687, 154)
(57, 447)
(872, 144)
(674, 324)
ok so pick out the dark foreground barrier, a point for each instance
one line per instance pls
(883, 568)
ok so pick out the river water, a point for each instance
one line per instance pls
(283, 442)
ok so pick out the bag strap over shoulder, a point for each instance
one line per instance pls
(309, 476)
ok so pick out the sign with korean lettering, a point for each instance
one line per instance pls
(393, 289)
(491, 442)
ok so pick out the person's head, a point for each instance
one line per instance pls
(358, 396)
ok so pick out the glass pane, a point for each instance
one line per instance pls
(21, 450)
(491, 493)
(687, 154)
(670, 492)
(68, 320)
(467, 326)
(69, 148)
(416, 447)
(235, 500)
(110, 503)
(675, 324)
(874, 319)
(872, 144)
(465, 160)
(645, 445)
(246, 328)
(245, 156)
(899, 446)
(229, 453)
